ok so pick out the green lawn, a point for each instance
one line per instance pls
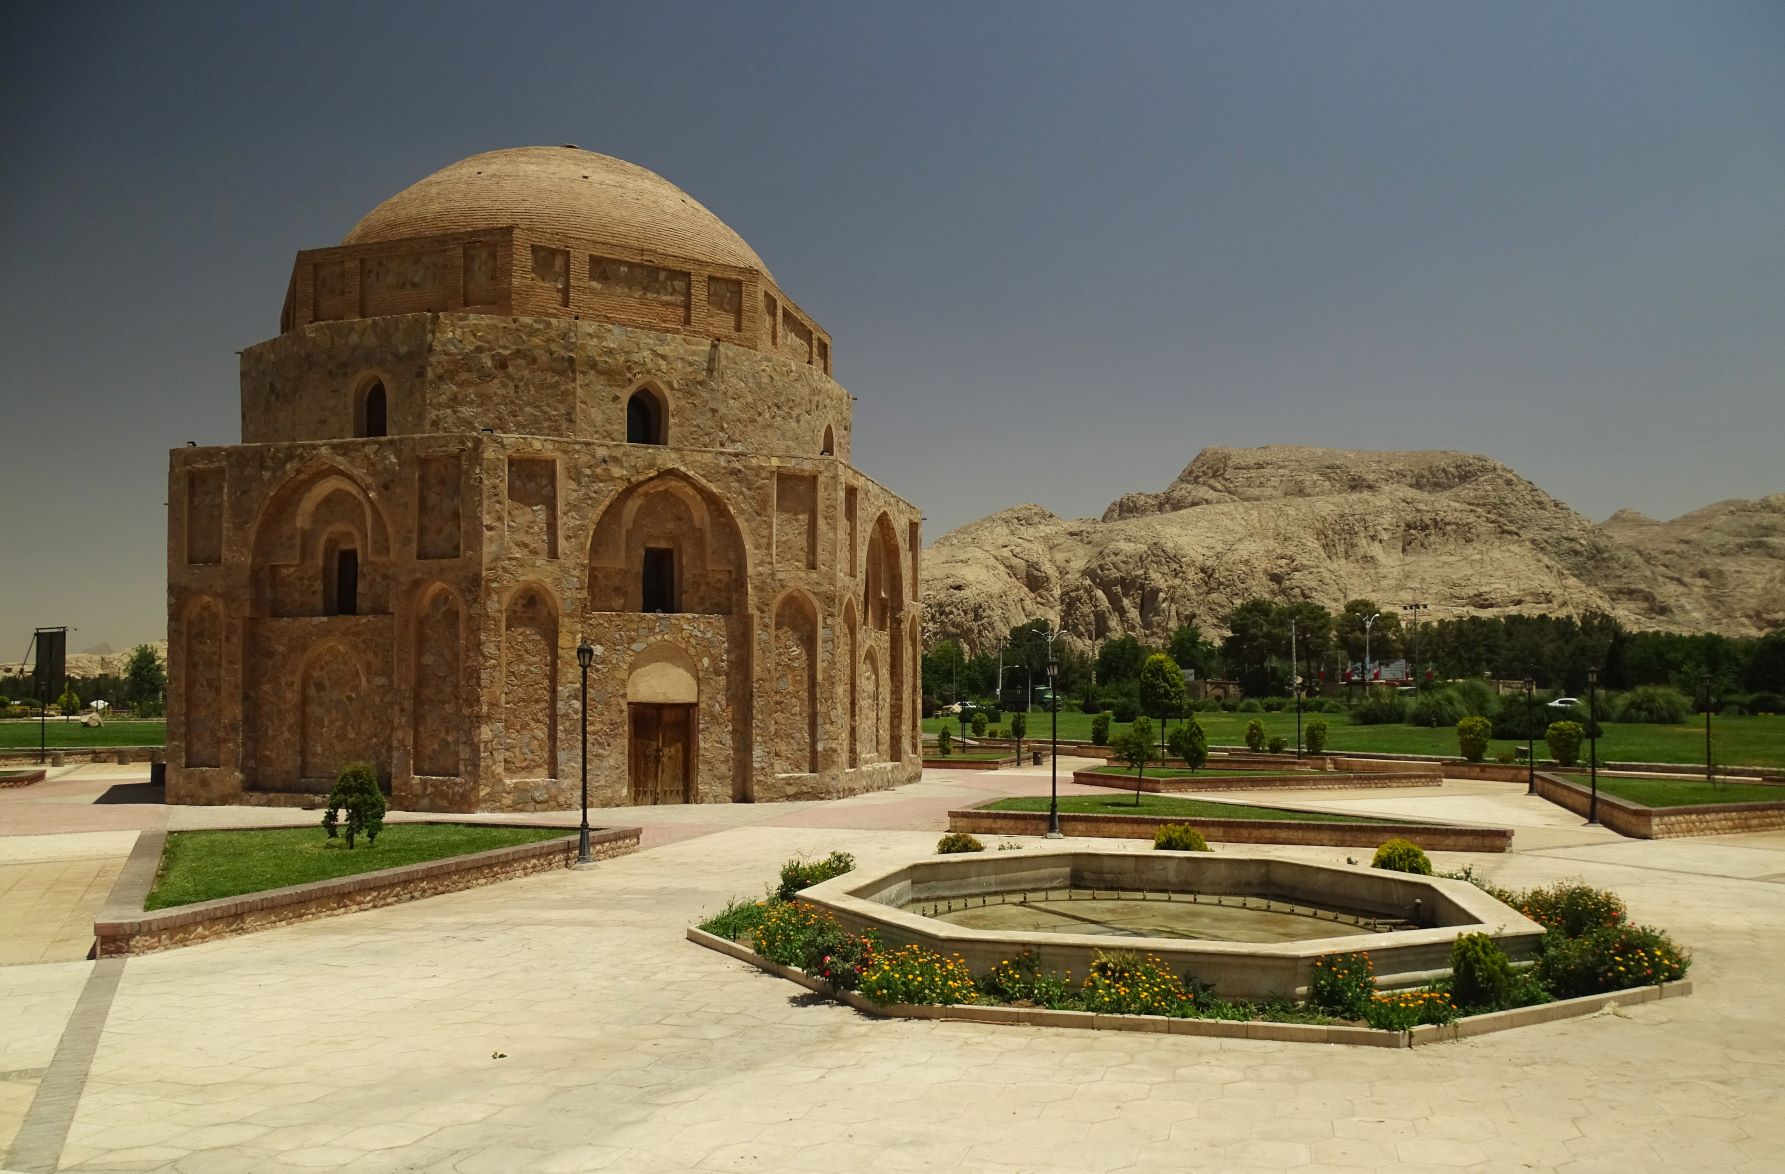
(1682, 792)
(1750, 741)
(61, 735)
(1171, 805)
(203, 866)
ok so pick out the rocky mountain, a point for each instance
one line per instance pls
(1460, 532)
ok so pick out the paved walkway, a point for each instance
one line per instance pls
(561, 1023)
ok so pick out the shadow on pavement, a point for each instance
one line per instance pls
(138, 793)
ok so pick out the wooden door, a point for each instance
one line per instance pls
(662, 753)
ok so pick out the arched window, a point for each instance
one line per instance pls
(371, 411)
(830, 443)
(645, 423)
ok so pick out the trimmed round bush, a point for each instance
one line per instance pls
(1480, 973)
(1563, 740)
(1277, 745)
(1475, 698)
(979, 723)
(1178, 837)
(1100, 730)
(1315, 736)
(1275, 704)
(1656, 705)
(994, 714)
(1125, 710)
(955, 842)
(1250, 705)
(1764, 702)
(1188, 742)
(355, 795)
(1472, 737)
(1400, 855)
(1255, 735)
(944, 742)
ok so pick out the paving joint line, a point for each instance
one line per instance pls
(37, 1149)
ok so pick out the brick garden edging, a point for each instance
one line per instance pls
(1168, 784)
(21, 778)
(1658, 823)
(1431, 837)
(1306, 1033)
(123, 927)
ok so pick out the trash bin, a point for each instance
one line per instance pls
(158, 774)
(1035, 758)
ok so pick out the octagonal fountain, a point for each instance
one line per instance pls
(1250, 925)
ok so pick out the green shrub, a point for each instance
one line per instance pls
(356, 795)
(1434, 709)
(1563, 740)
(1100, 730)
(1178, 837)
(944, 742)
(1255, 735)
(1655, 704)
(1764, 702)
(1188, 742)
(1315, 737)
(1380, 708)
(1136, 746)
(1610, 958)
(1207, 705)
(1021, 980)
(738, 918)
(1506, 757)
(798, 935)
(1019, 727)
(1249, 705)
(1573, 909)
(799, 874)
(1277, 744)
(1125, 709)
(1341, 984)
(1476, 698)
(1405, 1010)
(1472, 737)
(1090, 705)
(955, 842)
(1400, 855)
(1122, 982)
(1480, 973)
(1275, 704)
(1514, 723)
(913, 974)
(979, 722)
(994, 714)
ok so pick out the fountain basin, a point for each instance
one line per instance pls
(1204, 914)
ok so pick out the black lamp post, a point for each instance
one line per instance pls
(1593, 742)
(961, 710)
(1709, 774)
(1530, 739)
(1053, 704)
(585, 656)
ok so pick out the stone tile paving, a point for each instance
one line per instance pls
(560, 1023)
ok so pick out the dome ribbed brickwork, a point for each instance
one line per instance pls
(560, 191)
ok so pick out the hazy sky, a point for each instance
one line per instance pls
(1060, 247)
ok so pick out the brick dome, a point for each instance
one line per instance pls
(561, 192)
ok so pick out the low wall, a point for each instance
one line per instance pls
(956, 762)
(122, 755)
(20, 778)
(1431, 837)
(1660, 823)
(123, 927)
(1169, 784)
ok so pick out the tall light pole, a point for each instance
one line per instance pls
(1709, 774)
(1295, 685)
(1053, 704)
(1368, 624)
(1593, 743)
(1530, 739)
(585, 656)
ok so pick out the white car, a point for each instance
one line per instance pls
(1564, 703)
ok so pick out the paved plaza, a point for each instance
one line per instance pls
(561, 1023)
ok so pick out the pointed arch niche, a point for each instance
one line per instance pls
(438, 709)
(793, 685)
(529, 677)
(667, 544)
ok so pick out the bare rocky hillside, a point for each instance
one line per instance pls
(1460, 532)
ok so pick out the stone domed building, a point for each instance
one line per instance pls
(540, 397)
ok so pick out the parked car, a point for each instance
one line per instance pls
(1564, 703)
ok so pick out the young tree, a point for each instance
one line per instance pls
(1189, 743)
(145, 680)
(69, 702)
(1161, 689)
(1136, 749)
(1019, 725)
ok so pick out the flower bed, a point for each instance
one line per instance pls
(1591, 958)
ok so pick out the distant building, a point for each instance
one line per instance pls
(540, 396)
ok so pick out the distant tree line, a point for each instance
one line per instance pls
(1555, 651)
(141, 687)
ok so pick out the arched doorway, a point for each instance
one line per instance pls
(663, 708)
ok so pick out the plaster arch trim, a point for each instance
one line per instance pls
(619, 514)
(663, 674)
(312, 484)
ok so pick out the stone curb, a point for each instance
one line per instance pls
(23, 778)
(1170, 784)
(123, 927)
(1657, 823)
(956, 763)
(1432, 837)
(1300, 1033)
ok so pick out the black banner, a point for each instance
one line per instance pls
(52, 663)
